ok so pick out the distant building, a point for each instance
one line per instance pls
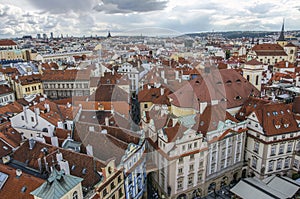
(27, 85)
(9, 50)
(7, 95)
(253, 72)
(59, 84)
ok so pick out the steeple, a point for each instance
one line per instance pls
(281, 36)
(109, 35)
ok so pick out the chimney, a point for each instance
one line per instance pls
(89, 150)
(139, 64)
(176, 74)
(162, 74)
(162, 91)
(47, 106)
(40, 164)
(106, 121)
(31, 143)
(59, 156)
(286, 64)
(64, 166)
(54, 141)
(18, 173)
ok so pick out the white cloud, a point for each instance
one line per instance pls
(77, 17)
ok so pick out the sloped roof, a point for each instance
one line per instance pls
(276, 114)
(7, 42)
(57, 185)
(13, 185)
(226, 84)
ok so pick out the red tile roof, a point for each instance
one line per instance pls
(78, 161)
(13, 185)
(4, 89)
(7, 42)
(217, 85)
(272, 114)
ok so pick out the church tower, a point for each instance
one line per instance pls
(281, 40)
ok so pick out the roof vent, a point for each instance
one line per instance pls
(18, 173)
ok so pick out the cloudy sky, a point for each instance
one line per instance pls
(121, 17)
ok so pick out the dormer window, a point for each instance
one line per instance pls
(268, 113)
(241, 114)
(277, 126)
(238, 97)
(229, 82)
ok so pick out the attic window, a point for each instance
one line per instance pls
(268, 113)
(277, 126)
(84, 171)
(219, 82)
(286, 125)
(288, 111)
(238, 81)
(5, 148)
(229, 82)
(73, 167)
(275, 113)
(282, 112)
(24, 188)
(238, 97)
(202, 123)
(255, 105)
(241, 114)
(197, 82)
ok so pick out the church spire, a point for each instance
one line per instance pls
(109, 35)
(281, 36)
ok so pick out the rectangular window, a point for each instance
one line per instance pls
(201, 164)
(22, 117)
(104, 193)
(273, 150)
(179, 183)
(195, 144)
(296, 163)
(256, 147)
(192, 157)
(191, 167)
(190, 146)
(32, 119)
(190, 180)
(281, 148)
(180, 160)
(271, 165)
(180, 171)
(287, 163)
(279, 164)
(200, 177)
(289, 147)
(145, 105)
(254, 162)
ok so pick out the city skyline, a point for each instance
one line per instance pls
(94, 17)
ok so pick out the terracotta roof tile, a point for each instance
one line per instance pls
(13, 185)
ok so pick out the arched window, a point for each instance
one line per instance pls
(75, 195)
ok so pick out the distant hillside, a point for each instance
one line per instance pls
(239, 34)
